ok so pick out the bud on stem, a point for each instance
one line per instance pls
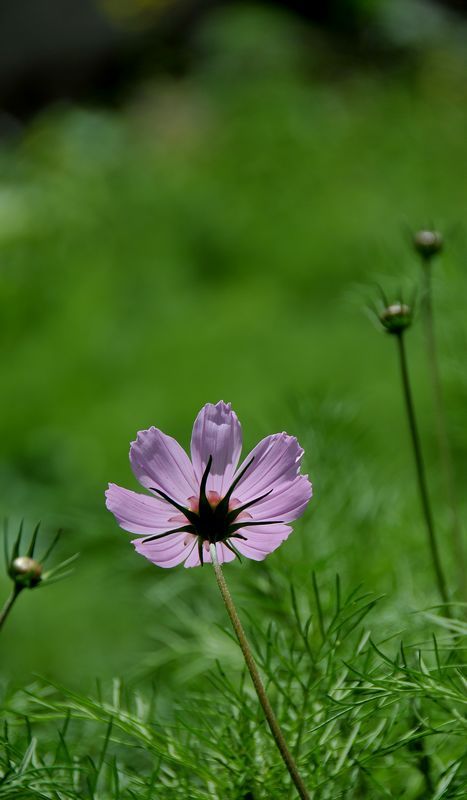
(428, 243)
(25, 572)
(396, 318)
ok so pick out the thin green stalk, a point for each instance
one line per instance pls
(420, 470)
(441, 426)
(257, 682)
(9, 604)
(424, 766)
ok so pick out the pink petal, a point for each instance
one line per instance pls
(139, 513)
(217, 433)
(258, 545)
(158, 461)
(223, 554)
(276, 461)
(286, 502)
(166, 552)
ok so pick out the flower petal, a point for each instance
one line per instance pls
(159, 461)
(258, 545)
(139, 513)
(166, 552)
(276, 461)
(223, 554)
(217, 433)
(286, 502)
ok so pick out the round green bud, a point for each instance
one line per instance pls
(396, 318)
(428, 243)
(26, 572)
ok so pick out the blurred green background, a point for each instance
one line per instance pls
(218, 235)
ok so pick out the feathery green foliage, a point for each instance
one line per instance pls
(364, 716)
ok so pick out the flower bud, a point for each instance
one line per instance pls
(26, 572)
(396, 318)
(428, 243)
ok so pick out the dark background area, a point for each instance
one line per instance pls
(69, 50)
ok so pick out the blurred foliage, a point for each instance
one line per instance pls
(220, 238)
(363, 718)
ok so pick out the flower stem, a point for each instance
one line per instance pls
(420, 469)
(255, 676)
(9, 604)
(441, 426)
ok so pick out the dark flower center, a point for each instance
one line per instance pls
(214, 522)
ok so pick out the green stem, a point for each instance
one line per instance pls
(420, 469)
(418, 745)
(257, 682)
(441, 426)
(9, 604)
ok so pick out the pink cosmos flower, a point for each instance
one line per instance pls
(211, 500)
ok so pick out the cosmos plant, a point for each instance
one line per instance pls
(210, 500)
(211, 510)
(26, 571)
